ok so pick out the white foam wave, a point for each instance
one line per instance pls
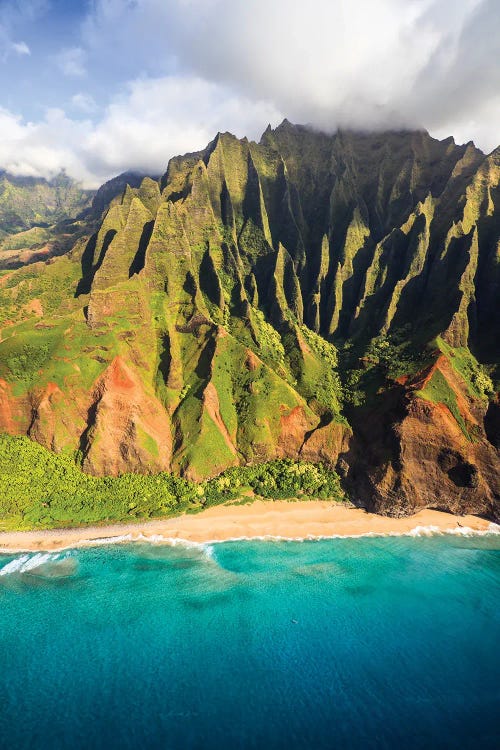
(424, 531)
(206, 547)
(153, 539)
(492, 529)
(27, 563)
(171, 541)
(14, 566)
(106, 540)
(209, 551)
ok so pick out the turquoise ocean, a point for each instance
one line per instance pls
(375, 642)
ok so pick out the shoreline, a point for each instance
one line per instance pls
(262, 519)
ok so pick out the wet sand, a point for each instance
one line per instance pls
(260, 519)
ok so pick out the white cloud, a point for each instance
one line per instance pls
(71, 62)
(84, 102)
(42, 149)
(192, 67)
(21, 48)
(12, 14)
(328, 62)
(140, 130)
(160, 118)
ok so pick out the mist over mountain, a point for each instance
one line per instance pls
(104, 87)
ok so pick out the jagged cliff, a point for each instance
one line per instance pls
(314, 296)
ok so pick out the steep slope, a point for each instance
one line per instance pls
(422, 442)
(281, 299)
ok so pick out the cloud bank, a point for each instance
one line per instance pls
(180, 70)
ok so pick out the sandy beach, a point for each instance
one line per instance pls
(279, 519)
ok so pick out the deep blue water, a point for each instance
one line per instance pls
(346, 643)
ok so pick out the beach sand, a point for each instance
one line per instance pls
(279, 519)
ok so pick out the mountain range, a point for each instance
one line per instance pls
(331, 298)
(40, 218)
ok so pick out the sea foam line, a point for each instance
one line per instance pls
(25, 563)
(493, 529)
(419, 531)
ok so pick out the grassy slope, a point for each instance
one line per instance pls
(477, 383)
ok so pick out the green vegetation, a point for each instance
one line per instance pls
(462, 360)
(33, 237)
(396, 355)
(28, 201)
(275, 480)
(270, 345)
(321, 367)
(384, 359)
(439, 391)
(22, 366)
(39, 489)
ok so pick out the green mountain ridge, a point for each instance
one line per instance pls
(26, 202)
(328, 298)
(40, 218)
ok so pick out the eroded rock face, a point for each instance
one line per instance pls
(326, 443)
(412, 454)
(49, 417)
(14, 411)
(127, 428)
(492, 423)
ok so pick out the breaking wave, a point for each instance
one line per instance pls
(49, 565)
(27, 562)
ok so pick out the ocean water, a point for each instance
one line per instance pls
(389, 642)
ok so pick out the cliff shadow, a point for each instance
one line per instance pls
(140, 257)
(89, 270)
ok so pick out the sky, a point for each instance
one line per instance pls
(98, 87)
